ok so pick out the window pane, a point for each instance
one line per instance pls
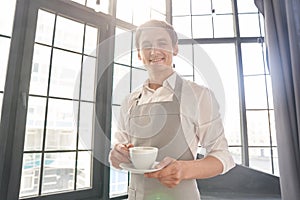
(258, 128)
(157, 15)
(121, 83)
(61, 125)
(65, 76)
(252, 66)
(179, 8)
(270, 92)
(246, 6)
(84, 170)
(184, 60)
(114, 122)
(202, 27)
(58, 173)
(273, 129)
(4, 53)
(275, 161)
(141, 11)
(123, 12)
(118, 179)
(262, 24)
(236, 153)
(44, 27)
(123, 41)
(136, 62)
(201, 7)
(40, 70)
(118, 182)
(249, 25)
(138, 78)
(88, 79)
(222, 6)
(79, 1)
(35, 123)
(260, 159)
(182, 26)
(255, 92)
(91, 41)
(224, 60)
(69, 34)
(7, 12)
(86, 125)
(30, 177)
(223, 26)
(159, 5)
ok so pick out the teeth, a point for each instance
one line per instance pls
(157, 60)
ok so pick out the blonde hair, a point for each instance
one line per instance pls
(156, 24)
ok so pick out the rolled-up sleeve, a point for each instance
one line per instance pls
(121, 135)
(210, 130)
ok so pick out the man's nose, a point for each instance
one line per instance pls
(154, 48)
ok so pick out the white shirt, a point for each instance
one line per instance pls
(200, 118)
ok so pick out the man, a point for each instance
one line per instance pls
(174, 115)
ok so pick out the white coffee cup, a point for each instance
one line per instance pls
(143, 157)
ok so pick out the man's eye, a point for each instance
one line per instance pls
(163, 44)
(146, 46)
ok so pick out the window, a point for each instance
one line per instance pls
(58, 134)
(139, 11)
(54, 133)
(211, 23)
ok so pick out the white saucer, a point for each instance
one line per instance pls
(129, 167)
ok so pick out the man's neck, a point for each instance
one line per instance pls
(156, 79)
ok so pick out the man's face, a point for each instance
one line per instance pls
(156, 49)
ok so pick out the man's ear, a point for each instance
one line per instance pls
(175, 50)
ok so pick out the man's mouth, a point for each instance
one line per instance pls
(157, 61)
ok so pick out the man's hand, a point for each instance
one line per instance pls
(120, 154)
(171, 174)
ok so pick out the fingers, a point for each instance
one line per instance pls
(170, 181)
(169, 178)
(129, 145)
(123, 148)
(165, 162)
(162, 164)
(171, 175)
(120, 154)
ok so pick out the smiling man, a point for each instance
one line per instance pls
(174, 115)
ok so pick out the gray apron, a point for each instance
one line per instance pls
(158, 124)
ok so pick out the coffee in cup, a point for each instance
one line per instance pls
(143, 157)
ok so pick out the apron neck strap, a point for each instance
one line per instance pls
(178, 88)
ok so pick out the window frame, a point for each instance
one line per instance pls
(15, 99)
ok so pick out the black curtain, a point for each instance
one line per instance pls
(282, 25)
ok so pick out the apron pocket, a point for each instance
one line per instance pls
(131, 194)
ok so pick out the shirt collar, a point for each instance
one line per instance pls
(168, 83)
